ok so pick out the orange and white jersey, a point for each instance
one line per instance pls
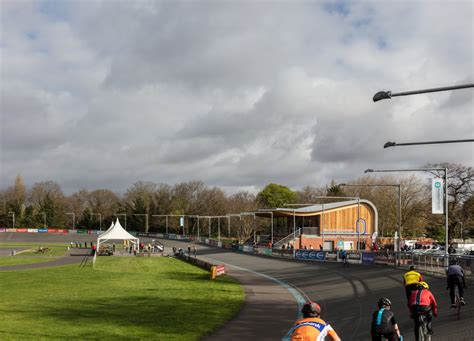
(312, 329)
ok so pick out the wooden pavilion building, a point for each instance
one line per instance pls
(336, 225)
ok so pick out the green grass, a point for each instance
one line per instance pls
(124, 298)
(29, 255)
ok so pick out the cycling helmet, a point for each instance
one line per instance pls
(423, 285)
(311, 309)
(412, 267)
(384, 302)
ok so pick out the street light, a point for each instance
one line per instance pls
(445, 170)
(394, 144)
(13, 218)
(73, 219)
(399, 215)
(388, 94)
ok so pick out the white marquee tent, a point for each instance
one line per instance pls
(115, 232)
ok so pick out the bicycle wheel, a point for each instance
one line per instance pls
(457, 302)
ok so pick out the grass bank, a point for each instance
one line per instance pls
(27, 253)
(124, 298)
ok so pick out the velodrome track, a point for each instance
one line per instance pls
(348, 295)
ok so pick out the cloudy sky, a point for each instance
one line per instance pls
(237, 94)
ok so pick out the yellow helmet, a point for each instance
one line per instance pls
(423, 285)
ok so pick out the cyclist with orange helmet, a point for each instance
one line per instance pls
(422, 301)
(311, 327)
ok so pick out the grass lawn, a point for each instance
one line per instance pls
(29, 254)
(125, 298)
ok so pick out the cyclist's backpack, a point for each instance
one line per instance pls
(382, 323)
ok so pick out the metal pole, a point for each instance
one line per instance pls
(228, 227)
(209, 227)
(399, 218)
(294, 231)
(447, 228)
(358, 224)
(198, 228)
(218, 229)
(44, 219)
(271, 213)
(322, 224)
(166, 224)
(254, 234)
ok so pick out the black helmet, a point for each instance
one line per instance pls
(412, 267)
(311, 309)
(384, 302)
(453, 261)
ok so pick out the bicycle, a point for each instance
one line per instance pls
(457, 301)
(423, 328)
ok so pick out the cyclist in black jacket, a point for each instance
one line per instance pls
(384, 324)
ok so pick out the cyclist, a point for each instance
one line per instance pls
(456, 277)
(383, 323)
(311, 326)
(422, 301)
(410, 280)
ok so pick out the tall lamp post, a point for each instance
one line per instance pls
(73, 219)
(445, 170)
(388, 94)
(13, 218)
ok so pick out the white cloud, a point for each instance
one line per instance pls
(237, 94)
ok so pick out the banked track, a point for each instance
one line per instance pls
(348, 295)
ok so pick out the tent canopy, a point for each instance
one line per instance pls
(115, 232)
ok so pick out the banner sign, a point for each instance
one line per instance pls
(52, 231)
(305, 254)
(220, 269)
(331, 255)
(172, 236)
(72, 231)
(437, 196)
(368, 258)
(3, 230)
(22, 230)
(246, 248)
(11, 230)
(354, 257)
(81, 231)
(43, 230)
(181, 221)
(33, 230)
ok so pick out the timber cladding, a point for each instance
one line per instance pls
(343, 219)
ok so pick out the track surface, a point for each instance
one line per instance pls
(348, 295)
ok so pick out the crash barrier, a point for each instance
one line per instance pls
(437, 264)
(214, 270)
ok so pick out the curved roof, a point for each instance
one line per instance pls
(312, 210)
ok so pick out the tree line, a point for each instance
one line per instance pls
(46, 204)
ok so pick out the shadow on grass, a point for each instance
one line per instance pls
(135, 317)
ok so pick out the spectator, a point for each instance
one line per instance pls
(189, 250)
(451, 249)
(194, 250)
(320, 247)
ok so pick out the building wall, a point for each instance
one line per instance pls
(344, 219)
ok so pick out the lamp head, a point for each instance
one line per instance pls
(369, 170)
(389, 144)
(382, 95)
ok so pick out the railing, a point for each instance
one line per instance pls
(288, 238)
